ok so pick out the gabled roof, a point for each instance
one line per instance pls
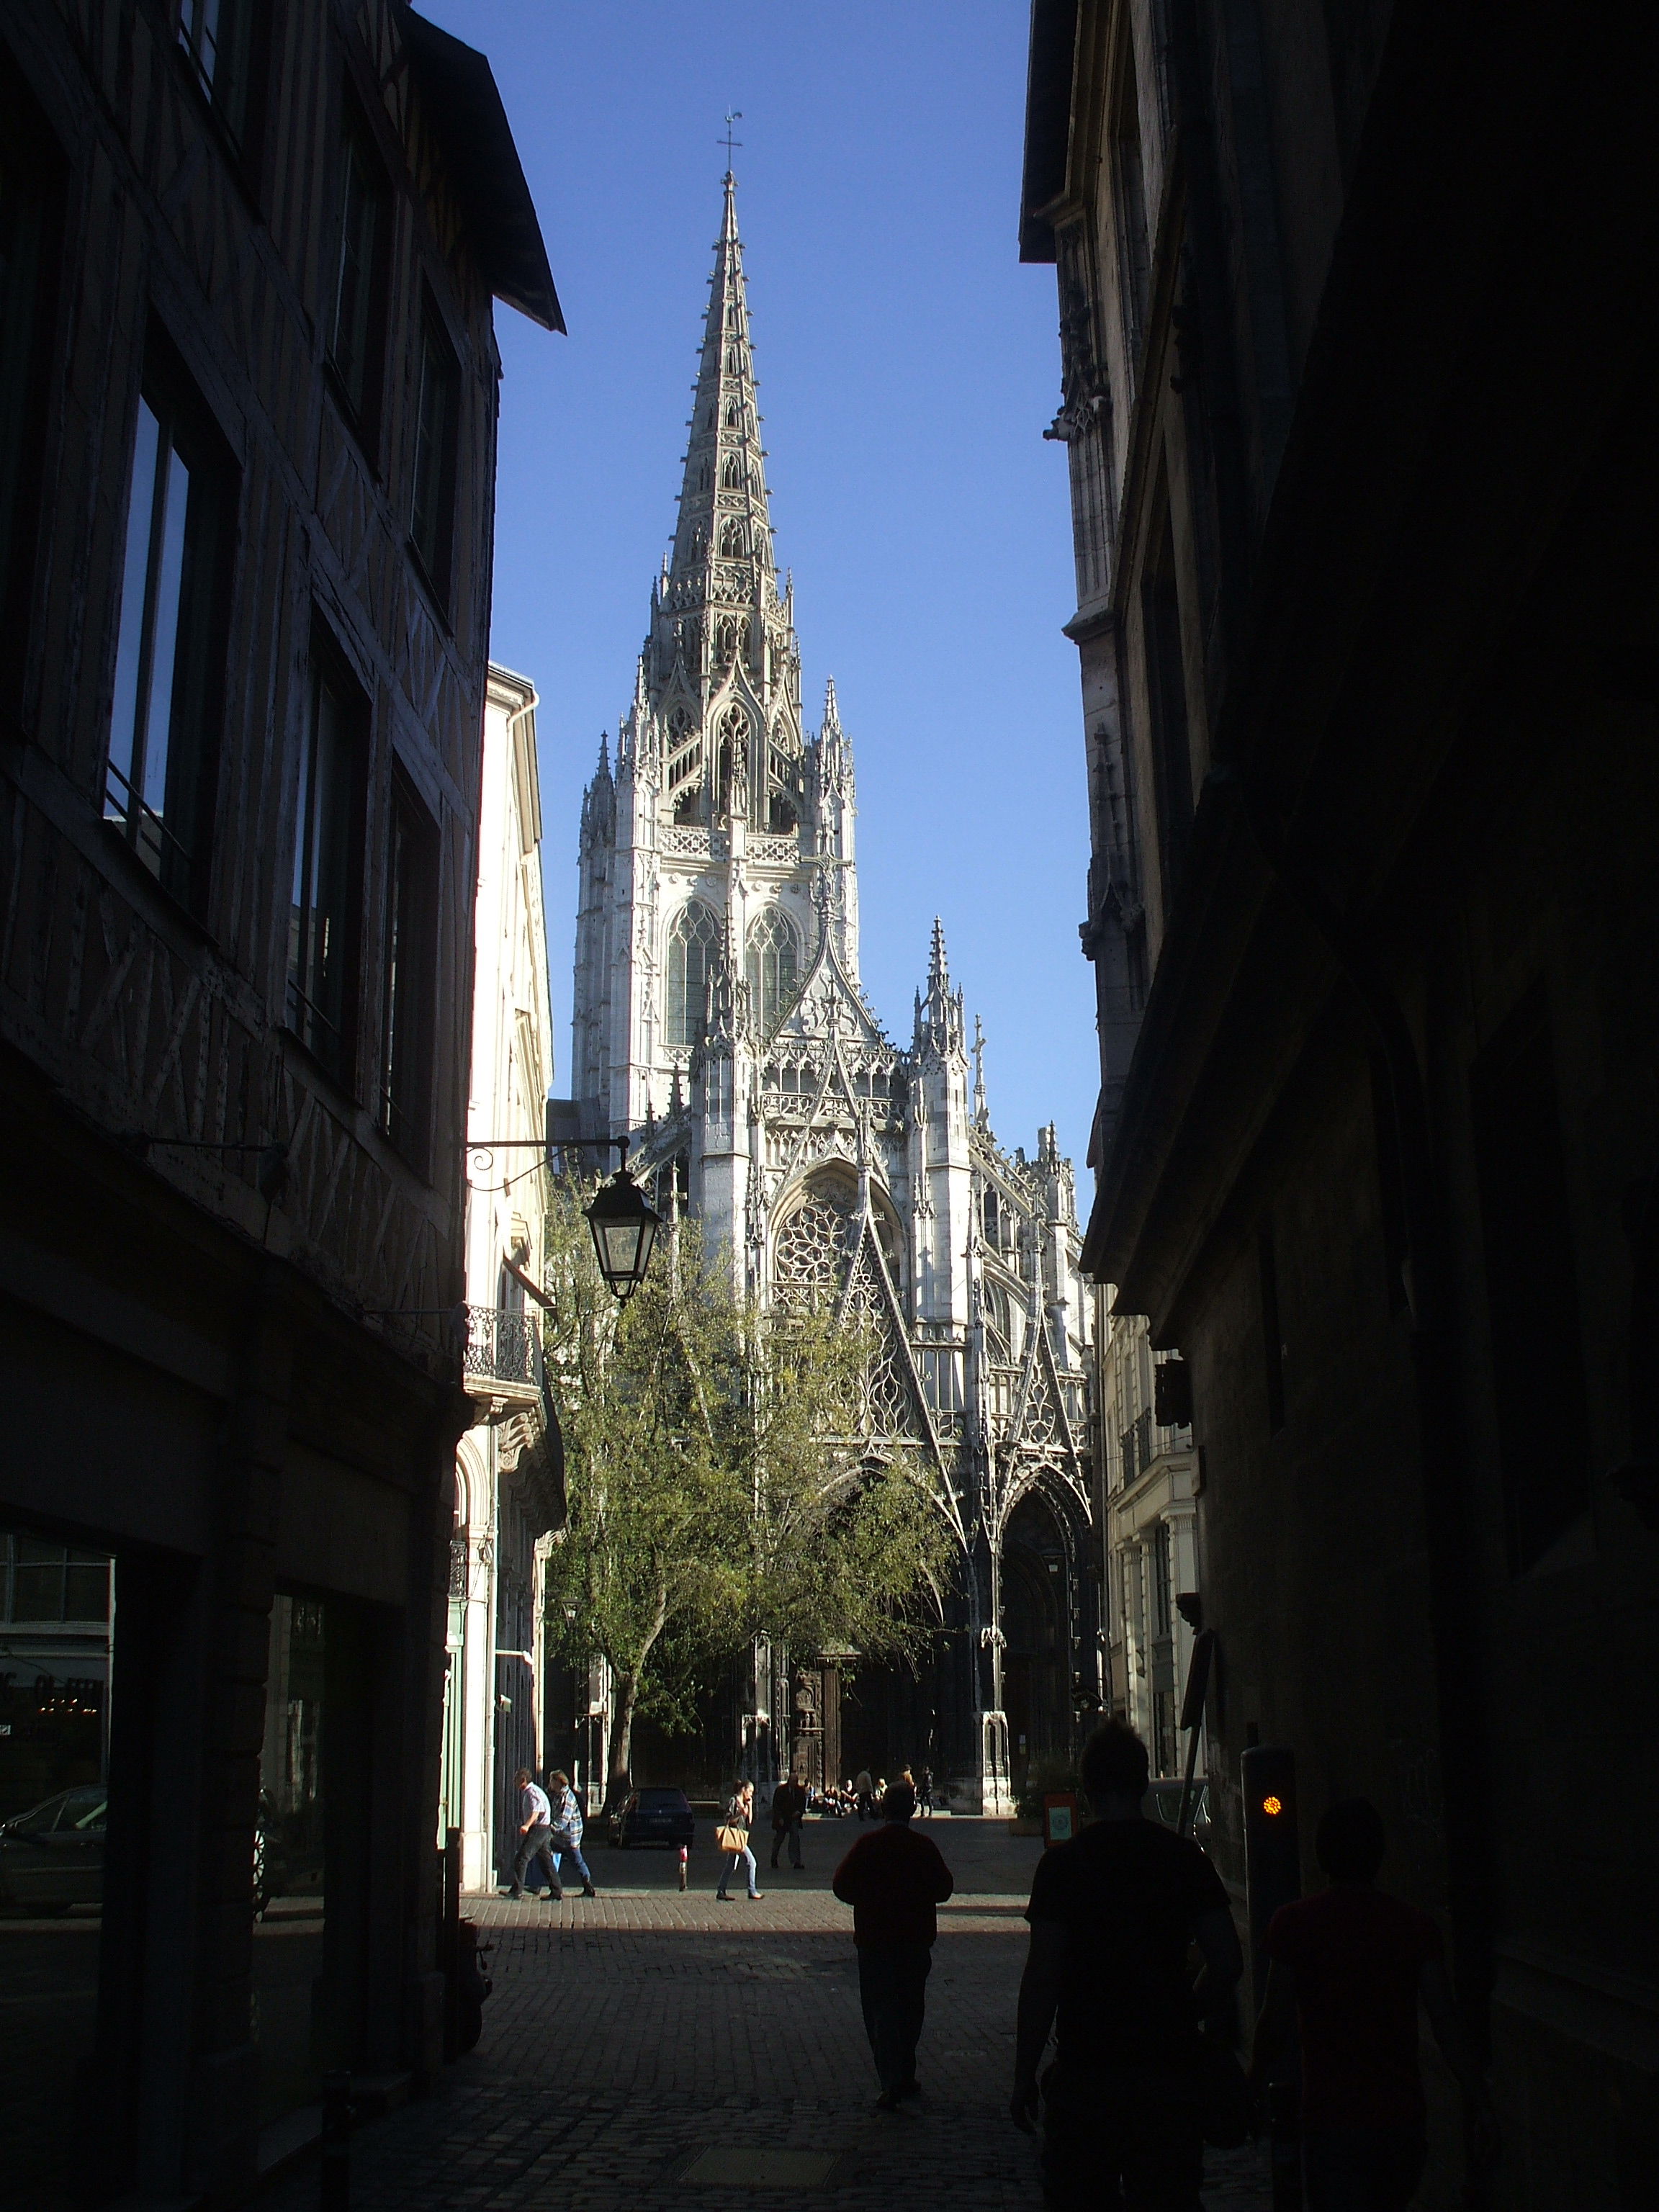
(458, 92)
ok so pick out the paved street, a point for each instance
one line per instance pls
(631, 2035)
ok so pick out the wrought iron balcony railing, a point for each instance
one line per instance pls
(503, 1347)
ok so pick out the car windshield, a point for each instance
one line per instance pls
(661, 1800)
(71, 1809)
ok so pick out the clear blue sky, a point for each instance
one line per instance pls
(906, 365)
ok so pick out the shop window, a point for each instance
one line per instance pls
(180, 502)
(56, 1614)
(289, 1870)
(323, 929)
(407, 984)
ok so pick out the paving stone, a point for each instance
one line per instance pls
(631, 2033)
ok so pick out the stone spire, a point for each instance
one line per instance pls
(939, 1021)
(723, 665)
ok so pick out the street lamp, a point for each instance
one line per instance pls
(624, 1229)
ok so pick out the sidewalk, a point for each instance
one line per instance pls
(643, 2041)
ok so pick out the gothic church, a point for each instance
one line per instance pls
(719, 1019)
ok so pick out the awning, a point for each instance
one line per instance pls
(458, 90)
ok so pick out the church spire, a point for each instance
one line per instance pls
(724, 536)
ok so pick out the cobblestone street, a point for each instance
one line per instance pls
(631, 2034)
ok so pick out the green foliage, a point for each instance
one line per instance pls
(717, 1482)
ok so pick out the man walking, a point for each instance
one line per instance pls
(1112, 1913)
(788, 1811)
(894, 1878)
(566, 1838)
(1346, 1972)
(535, 1836)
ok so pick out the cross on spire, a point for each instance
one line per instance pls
(732, 115)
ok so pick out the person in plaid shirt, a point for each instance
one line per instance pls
(566, 1841)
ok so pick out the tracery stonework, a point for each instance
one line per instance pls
(720, 1021)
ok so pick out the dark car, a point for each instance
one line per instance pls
(652, 1816)
(53, 1856)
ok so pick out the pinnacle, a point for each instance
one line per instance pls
(939, 970)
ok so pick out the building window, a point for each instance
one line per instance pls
(1532, 1290)
(772, 966)
(1166, 696)
(322, 952)
(410, 961)
(1129, 197)
(217, 38)
(692, 942)
(30, 201)
(167, 642)
(432, 504)
(354, 342)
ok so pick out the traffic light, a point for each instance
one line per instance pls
(1272, 1845)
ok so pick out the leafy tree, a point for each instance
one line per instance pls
(717, 1484)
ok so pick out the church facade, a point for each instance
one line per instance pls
(719, 1019)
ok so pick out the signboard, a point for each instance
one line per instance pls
(1059, 1820)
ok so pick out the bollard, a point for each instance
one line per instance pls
(334, 2191)
(684, 1856)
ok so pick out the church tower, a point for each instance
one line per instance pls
(720, 1021)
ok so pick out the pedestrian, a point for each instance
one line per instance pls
(924, 1794)
(894, 1879)
(1346, 1972)
(788, 1811)
(566, 1817)
(733, 1839)
(535, 1837)
(1112, 1913)
(864, 1794)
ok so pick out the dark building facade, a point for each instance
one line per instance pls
(1357, 305)
(248, 390)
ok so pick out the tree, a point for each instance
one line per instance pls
(718, 1487)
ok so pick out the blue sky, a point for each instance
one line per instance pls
(906, 365)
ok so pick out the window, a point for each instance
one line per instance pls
(322, 952)
(354, 332)
(1532, 1294)
(179, 503)
(217, 38)
(733, 546)
(1129, 197)
(431, 517)
(772, 963)
(29, 254)
(1166, 695)
(410, 959)
(691, 945)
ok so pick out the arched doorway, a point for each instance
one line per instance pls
(1036, 1660)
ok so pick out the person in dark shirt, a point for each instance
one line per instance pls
(1346, 1970)
(1112, 1914)
(893, 1878)
(788, 1811)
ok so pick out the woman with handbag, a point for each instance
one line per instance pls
(732, 1837)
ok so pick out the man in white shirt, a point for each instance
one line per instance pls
(535, 1835)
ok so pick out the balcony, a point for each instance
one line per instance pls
(502, 1358)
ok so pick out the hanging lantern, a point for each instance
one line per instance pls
(624, 1230)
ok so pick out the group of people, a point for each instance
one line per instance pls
(549, 1837)
(1143, 2068)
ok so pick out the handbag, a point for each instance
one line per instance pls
(728, 1836)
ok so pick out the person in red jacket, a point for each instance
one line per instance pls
(1347, 1970)
(893, 1878)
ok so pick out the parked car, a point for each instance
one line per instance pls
(53, 1856)
(652, 1816)
(1163, 1804)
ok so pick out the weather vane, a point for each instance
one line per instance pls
(732, 115)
